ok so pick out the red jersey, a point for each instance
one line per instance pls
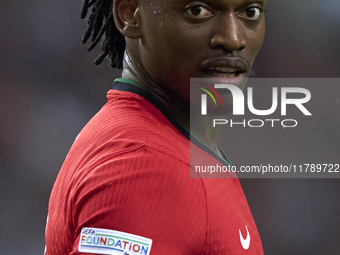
(125, 188)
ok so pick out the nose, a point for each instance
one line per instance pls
(229, 34)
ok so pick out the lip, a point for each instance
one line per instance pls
(240, 66)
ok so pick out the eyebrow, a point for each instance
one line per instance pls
(241, 1)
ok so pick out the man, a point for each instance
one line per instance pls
(125, 186)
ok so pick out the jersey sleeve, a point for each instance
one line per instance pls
(146, 193)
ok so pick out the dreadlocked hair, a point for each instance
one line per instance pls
(100, 25)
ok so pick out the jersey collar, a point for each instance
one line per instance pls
(128, 85)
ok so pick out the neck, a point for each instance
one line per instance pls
(198, 125)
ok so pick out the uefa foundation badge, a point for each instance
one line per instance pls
(105, 241)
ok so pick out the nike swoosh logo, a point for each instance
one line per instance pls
(245, 242)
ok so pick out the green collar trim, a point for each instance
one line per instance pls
(132, 82)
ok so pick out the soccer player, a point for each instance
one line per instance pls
(125, 186)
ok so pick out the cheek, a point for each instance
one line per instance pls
(171, 49)
(176, 44)
(256, 39)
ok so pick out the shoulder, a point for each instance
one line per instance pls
(145, 192)
(125, 124)
(129, 170)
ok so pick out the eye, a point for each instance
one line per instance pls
(252, 13)
(198, 12)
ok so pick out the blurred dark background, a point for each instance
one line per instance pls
(49, 89)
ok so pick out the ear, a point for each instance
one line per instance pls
(125, 13)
